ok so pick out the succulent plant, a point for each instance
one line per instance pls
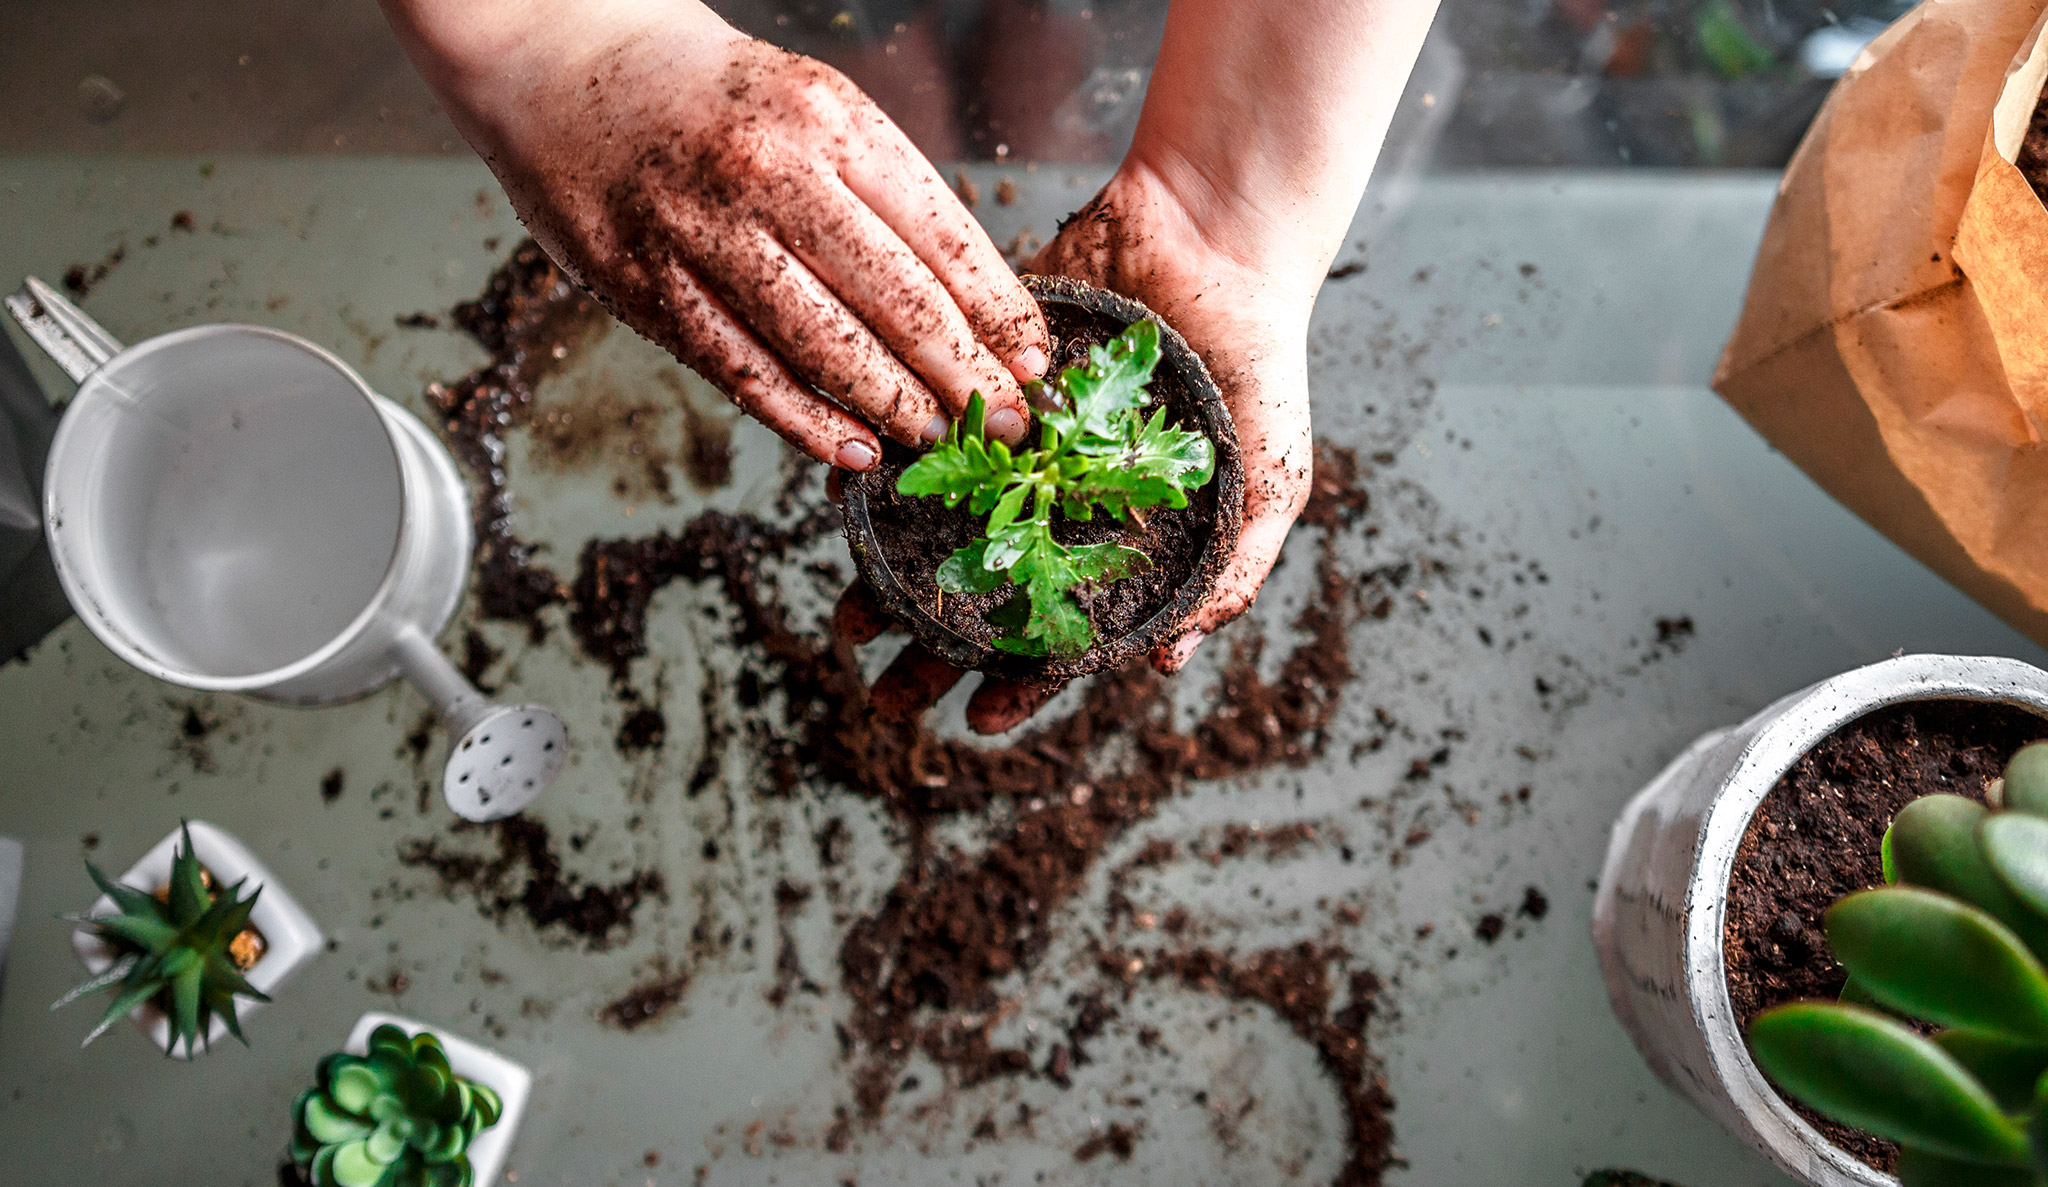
(395, 1117)
(177, 947)
(1940, 1039)
(1095, 449)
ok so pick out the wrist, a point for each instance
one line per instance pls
(1278, 263)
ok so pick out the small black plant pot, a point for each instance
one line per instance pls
(898, 540)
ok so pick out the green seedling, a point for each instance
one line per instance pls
(1096, 449)
(1940, 1041)
(173, 950)
(394, 1117)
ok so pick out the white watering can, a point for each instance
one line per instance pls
(231, 508)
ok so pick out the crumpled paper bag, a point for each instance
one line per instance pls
(1894, 342)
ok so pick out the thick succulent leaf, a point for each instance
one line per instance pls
(187, 1013)
(2008, 1070)
(322, 1169)
(386, 1106)
(452, 1173)
(2015, 845)
(132, 994)
(352, 1085)
(1935, 844)
(223, 977)
(1919, 1168)
(385, 1143)
(353, 1166)
(392, 1038)
(964, 572)
(224, 920)
(1942, 960)
(330, 1124)
(2026, 780)
(223, 1006)
(445, 1144)
(488, 1106)
(1877, 1075)
(93, 984)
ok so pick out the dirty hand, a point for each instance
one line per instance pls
(747, 208)
(1260, 128)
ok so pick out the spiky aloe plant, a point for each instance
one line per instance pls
(395, 1117)
(174, 949)
(1940, 1039)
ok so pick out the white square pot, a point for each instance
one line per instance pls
(289, 933)
(510, 1081)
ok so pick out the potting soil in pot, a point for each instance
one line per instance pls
(1816, 837)
(918, 533)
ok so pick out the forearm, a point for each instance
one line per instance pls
(1264, 120)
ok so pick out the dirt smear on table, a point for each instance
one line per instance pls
(923, 969)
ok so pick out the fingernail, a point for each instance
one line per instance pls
(934, 430)
(1028, 365)
(855, 455)
(1185, 649)
(1006, 425)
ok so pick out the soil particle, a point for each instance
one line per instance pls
(970, 193)
(1006, 192)
(531, 319)
(80, 279)
(1490, 927)
(477, 657)
(1535, 904)
(644, 1003)
(599, 425)
(1296, 983)
(330, 785)
(183, 221)
(1816, 837)
(196, 727)
(417, 321)
(707, 450)
(644, 729)
(1115, 1138)
(546, 896)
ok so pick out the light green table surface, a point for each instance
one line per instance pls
(1555, 416)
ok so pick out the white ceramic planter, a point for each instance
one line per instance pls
(289, 933)
(1658, 916)
(511, 1082)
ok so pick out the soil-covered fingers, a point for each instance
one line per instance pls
(857, 617)
(912, 683)
(1279, 470)
(710, 340)
(890, 288)
(895, 181)
(816, 335)
(1001, 705)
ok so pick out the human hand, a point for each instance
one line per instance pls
(1243, 304)
(747, 208)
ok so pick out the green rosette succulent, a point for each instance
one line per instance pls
(1940, 1039)
(395, 1117)
(174, 949)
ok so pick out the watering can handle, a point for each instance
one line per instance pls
(73, 341)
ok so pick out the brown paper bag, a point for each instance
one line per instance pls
(1895, 338)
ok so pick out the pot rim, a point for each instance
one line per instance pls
(1209, 410)
(1791, 727)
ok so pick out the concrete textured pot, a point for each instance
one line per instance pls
(474, 1062)
(290, 936)
(1662, 900)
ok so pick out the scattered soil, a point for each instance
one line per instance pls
(1296, 983)
(532, 320)
(646, 1002)
(477, 657)
(330, 785)
(196, 727)
(922, 967)
(644, 729)
(80, 279)
(917, 534)
(546, 896)
(1115, 1138)
(1816, 838)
